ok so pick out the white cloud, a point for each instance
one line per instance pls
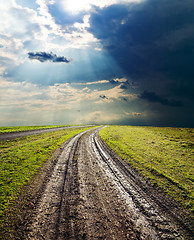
(90, 83)
(23, 30)
(99, 117)
(17, 25)
(59, 96)
(65, 92)
(31, 97)
(27, 100)
(121, 80)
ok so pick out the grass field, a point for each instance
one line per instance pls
(27, 128)
(163, 155)
(20, 160)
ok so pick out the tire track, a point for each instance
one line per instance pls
(162, 214)
(164, 205)
(47, 218)
(71, 156)
(102, 215)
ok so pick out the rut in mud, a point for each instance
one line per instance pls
(92, 194)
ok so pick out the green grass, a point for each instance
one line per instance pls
(165, 156)
(20, 160)
(27, 128)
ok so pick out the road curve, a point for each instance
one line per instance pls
(92, 194)
(13, 135)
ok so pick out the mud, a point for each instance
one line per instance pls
(93, 194)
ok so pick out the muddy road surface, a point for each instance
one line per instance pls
(92, 194)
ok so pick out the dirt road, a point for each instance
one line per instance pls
(12, 135)
(92, 194)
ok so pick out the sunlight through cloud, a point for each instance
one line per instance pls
(75, 6)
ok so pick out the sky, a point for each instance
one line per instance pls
(125, 62)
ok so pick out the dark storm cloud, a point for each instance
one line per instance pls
(123, 86)
(103, 97)
(43, 57)
(150, 37)
(153, 97)
(115, 81)
(112, 81)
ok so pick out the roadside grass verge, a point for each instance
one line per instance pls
(28, 128)
(21, 159)
(165, 156)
